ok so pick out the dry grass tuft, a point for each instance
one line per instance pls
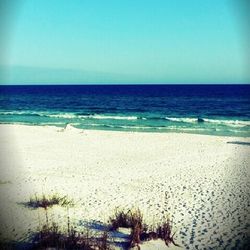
(139, 230)
(164, 232)
(51, 237)
(47, 201)
(128, 219)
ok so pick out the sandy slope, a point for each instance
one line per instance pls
(200, 181)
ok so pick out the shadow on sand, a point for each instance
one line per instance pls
(16, 246)
(119, 239)
(239, 143)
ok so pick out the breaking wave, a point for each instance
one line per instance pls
(145, 122)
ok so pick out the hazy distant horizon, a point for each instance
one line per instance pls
(28, 76)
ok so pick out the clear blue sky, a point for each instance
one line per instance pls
(125, 41)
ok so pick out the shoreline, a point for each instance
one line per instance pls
(117, 131)
(200, 181)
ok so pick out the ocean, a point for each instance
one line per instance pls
(199, 109)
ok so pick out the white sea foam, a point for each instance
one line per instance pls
(40, 113)
(229, 122)
(18, 113)
(235, 123)
(62, 115)
(137, 127)
(182, 128)
(105, 117)
(182, 119)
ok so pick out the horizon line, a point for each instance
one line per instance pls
(116, 84)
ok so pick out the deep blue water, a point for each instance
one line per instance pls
(203, 109)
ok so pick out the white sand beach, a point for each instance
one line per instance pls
(201, 182)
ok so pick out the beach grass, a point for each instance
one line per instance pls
(127, 219)
(47, 201)
(140, 232)
(52, 235)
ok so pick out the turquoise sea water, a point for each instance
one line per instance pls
(202, 109)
